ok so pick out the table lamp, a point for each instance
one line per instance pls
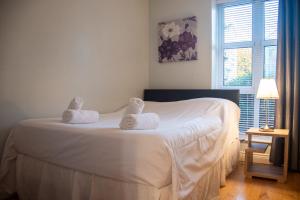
(267, 90)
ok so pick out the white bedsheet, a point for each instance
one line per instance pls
(192, 136)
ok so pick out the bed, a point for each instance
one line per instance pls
(187, 157)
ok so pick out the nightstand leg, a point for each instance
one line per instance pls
(248, 162)
(248, 157)
(251, 158)
(249, 140)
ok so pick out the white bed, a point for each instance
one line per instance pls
(187, 157)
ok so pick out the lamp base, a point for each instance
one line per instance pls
(266, 129)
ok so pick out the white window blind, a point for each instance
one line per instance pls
(271, 15)
(238, 23)
(247, 111)
(247, 39)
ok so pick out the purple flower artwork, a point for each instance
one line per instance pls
(178, 40)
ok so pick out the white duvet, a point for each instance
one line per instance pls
(191, 137)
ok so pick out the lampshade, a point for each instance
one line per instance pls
(267, 89)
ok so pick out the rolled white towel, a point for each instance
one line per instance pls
(144, 121)
(80, 116)
(135, 106)
(76, 103)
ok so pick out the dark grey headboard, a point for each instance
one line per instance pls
(165, 95)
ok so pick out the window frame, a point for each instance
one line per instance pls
(257, 44)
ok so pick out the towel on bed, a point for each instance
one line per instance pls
(80, 116)
(76, 103)
(135, 106)
(143, 121)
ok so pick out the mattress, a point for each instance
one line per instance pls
(191, 137)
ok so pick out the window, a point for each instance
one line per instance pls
(247, 39)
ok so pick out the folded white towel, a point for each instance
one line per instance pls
(144, 121)
(80, 116)
(76, 103)
(135, 106)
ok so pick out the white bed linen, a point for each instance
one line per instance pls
(35, 176)
(191, 138)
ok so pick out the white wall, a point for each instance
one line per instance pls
(52, 50)
(192, 74)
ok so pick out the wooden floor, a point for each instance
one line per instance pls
(239, 188)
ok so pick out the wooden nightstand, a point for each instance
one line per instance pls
(262, 170)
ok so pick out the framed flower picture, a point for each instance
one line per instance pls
(178, 40)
